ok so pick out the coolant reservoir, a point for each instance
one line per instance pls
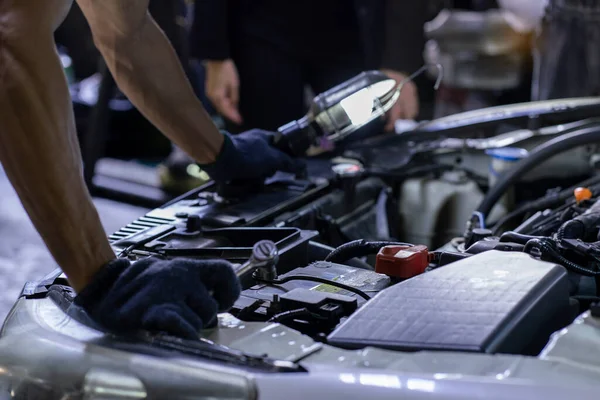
(434, 211)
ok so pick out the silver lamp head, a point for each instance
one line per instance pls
(343, 110)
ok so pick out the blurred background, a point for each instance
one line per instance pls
(257, 64)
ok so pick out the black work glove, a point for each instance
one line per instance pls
(178, 297)
(250, 155)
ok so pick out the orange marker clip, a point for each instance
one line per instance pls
(582, 194)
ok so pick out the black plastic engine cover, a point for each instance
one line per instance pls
(492, 302)
(251, 208)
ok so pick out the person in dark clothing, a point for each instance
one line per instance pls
(261, 54)
(567, 55)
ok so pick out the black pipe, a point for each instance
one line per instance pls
(536, 157)
(519, 238)
(549, 201)
(359, 248)
(319, 252)
(446, 257)
(582, 226)
(546, 249)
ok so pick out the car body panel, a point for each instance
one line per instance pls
(46, 352)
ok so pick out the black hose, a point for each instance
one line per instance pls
(572, 229)
(314, 279)
(550, 222)
(514, 237)
(319, 252)
(442, 258)
(581, 226)
(536, 157)
(507, 218)
(546, 202)
(546, 249)
(359, 248)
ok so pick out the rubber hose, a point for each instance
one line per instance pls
(581, 226)
(536, 157)
(544, 247)
(359, 248)
(319, 252)
(546, 202)
(508, 217)
(572, 229)
(519, 238)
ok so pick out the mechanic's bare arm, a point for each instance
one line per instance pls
(147, 70)
(38, 142)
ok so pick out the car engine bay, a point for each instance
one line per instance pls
(476, 234)
(320, 254)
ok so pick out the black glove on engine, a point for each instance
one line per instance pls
(178, 297)
(250, 155)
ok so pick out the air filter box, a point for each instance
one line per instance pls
(494, 302)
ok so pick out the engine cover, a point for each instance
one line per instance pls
(493, 302)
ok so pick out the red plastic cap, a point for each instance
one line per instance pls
(582, 194)
(402, 261)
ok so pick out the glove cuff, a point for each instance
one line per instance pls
(216, 170)
(101, 283)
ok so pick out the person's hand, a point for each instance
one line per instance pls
(250, 155)
(223, 88)
(178, 297)
(407, 106)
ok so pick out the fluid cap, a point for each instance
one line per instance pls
(402, 262)
(265, 251)
(265, 257)
(582, 194)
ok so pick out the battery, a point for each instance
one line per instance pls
(367, 281)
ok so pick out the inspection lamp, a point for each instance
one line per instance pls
(344, 110)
